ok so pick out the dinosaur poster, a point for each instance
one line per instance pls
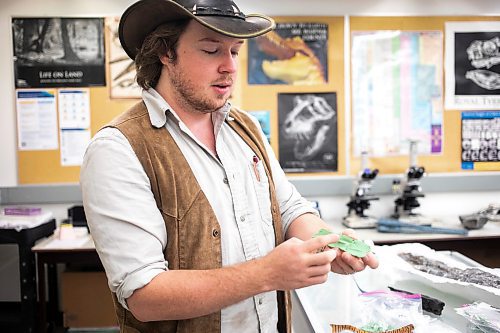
(308, 137)
(473, 65)
(58, 52)
(294, 54)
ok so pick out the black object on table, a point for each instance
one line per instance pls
(429, 304)
(76, 216)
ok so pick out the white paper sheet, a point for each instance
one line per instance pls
(74, 142)
(74, 108)
(36, 119)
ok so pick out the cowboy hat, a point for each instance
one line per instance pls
(222, 16)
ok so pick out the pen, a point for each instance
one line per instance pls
(255, 161)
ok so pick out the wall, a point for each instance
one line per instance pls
(333, 208)
(19, 8)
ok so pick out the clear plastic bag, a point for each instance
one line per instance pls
(387, 311)
(482, 317)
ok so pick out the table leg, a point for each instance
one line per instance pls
(42, 306)
(53, 317)
(28, 287)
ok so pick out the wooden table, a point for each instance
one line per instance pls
(49, 253)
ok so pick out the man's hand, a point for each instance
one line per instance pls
(345, 263)
(296, 264)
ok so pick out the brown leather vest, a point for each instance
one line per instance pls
(192, 228)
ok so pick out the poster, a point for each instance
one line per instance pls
(36, 119)
(293, 53)
(74, 142)
(121, 68)
(397, 92)
(308, 137)
(264, 118)
(481, 140)
(74, 124)
(74, 108)
(58, 52)
(472, 65)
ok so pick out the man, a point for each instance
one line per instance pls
(186, 202)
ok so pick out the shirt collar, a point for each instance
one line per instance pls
(158, 108)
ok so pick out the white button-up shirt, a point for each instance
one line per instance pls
(130, 234)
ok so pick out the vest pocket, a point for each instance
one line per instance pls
(261, 186)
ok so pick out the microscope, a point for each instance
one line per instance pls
(409, 191)
(360, 200)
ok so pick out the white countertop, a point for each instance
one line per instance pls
(489, 230)
(336, 301)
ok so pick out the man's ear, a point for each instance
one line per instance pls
(167, 58)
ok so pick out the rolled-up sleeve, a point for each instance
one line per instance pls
(128, 230)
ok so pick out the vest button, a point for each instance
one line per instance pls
(215, 233)
(242, 218)
(225, 180)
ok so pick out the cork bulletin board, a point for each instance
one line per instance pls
(449, 159)
(261, 88)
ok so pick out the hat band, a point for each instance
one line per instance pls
(214, 11)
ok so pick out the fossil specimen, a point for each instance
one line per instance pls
(438, 268)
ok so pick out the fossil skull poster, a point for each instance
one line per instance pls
(293, 53)
(472, 65)
(308, 138)
(58, 52)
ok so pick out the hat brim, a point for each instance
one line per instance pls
(144, 16)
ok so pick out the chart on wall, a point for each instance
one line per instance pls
(293, 53)
(397, 91)
(58, 52)
(36, 119)
(308, 137)
(74, 124)
(481, 140)
(472, 65)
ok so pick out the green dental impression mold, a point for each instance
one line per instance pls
(350, 245)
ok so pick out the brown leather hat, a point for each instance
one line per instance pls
(223, 16)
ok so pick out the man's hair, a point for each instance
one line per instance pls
(162, 41)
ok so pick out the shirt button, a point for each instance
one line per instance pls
(215, 233)
(260, 301)
(242, 218)
(225, 181)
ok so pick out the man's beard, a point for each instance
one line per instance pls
(191, 97)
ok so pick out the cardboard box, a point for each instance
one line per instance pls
(86, 300)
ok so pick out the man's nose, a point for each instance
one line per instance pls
(228, 63)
